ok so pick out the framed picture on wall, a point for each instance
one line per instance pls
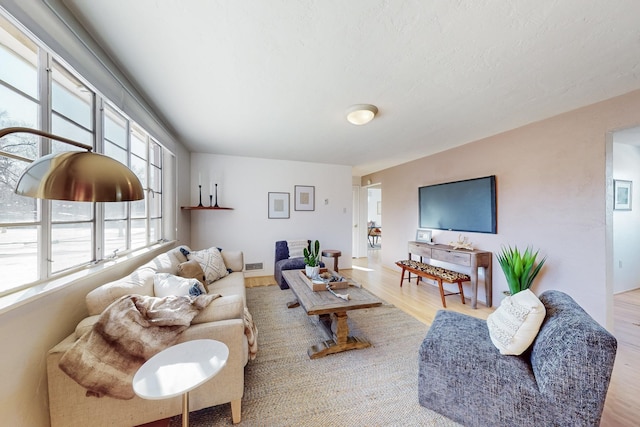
(305, 198)
(278, 205)
(621, 195)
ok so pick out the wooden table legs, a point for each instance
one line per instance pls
(336, 326)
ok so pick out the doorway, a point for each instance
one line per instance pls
(374, 218)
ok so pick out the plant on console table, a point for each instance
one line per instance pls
(312, 259)
(520, 268)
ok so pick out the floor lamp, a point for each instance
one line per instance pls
(81, 176)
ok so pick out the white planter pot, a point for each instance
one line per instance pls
(312, 271)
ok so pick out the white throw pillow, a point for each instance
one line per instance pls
(211, 262)
(515, 324)
(166, 284)
(296, 247)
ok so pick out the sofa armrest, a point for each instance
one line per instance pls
(233, 260)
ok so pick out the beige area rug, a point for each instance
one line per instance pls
(376, 386)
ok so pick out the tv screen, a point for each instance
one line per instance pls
(468, 205)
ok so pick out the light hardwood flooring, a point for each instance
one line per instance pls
(622, 407)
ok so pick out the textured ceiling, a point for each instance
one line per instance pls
(273, 79)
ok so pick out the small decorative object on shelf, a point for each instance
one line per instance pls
(207, 208)
(216, 205)
(200, 195)
(462, 243)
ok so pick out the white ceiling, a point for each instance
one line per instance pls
(273, 79)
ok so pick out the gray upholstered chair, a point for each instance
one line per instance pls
(283, 262)
(561, 380)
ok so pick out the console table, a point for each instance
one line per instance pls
(469, 258)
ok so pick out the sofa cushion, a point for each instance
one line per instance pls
(223, 308)
(211, 262)
(167, 284)
(168, 262)
(139, 282)
(515, 324)
(234, 260)
(192, 270)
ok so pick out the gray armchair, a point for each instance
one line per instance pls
(561, 380)
(283, 262)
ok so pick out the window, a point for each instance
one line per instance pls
(19, 216)
(41, 239)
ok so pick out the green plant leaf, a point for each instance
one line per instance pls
(519, 268)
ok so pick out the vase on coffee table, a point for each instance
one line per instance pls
(312, 271)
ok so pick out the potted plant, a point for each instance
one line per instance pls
(312, 259)
(519, 268)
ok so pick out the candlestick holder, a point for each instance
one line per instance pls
(216, 205)
(200, 205)
(210, 201)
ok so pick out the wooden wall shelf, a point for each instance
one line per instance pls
(204, 208)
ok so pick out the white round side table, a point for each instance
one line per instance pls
(178, 369)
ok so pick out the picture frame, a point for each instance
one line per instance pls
(423, 235)
(622, 195)
(305, 198)
(278, 205)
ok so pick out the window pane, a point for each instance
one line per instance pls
(139, 143)
(138, 233)
(65, 128)
(139, 167)
(15, 208)
(155, 179)
(115, 210)
(138, 209)
(16, 110)
(71, 246)
(115, 237)
(155, 154)
(155, 205)
(115, 152)
(155, 230)
(18, 256)
(62, 210)
(19, 59)
(71, 98)
(115, 128)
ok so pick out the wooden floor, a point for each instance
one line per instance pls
(622, 407)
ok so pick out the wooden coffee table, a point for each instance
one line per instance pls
(332, 313)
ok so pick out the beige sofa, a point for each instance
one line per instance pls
(222, 320)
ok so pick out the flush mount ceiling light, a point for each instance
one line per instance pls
(361, 114)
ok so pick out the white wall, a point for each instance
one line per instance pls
(626, 224)
(552, 191)
(244, 184)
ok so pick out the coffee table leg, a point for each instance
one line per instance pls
(337, 327)
(185, 409)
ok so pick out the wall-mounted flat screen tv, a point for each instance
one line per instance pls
(468, 205)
